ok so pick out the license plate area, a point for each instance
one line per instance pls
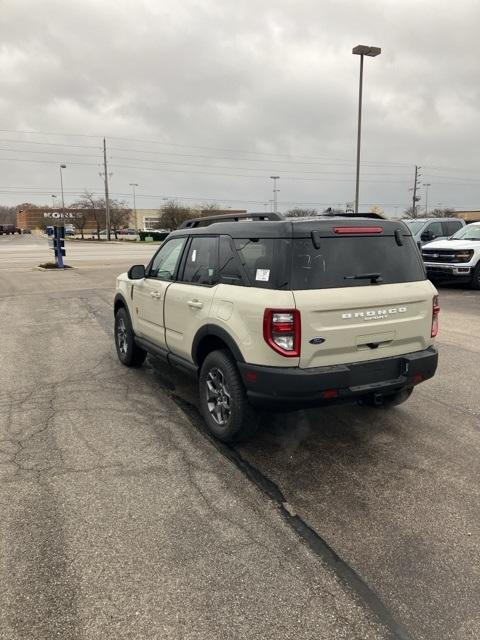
(365, 373)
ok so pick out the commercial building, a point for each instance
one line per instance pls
(37, 218)
(468, 216)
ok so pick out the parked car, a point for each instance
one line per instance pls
(427, 229)
(9, 229)
(457, 258)
(127, 232)
(283, 313)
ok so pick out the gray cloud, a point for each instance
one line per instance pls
(246, 77)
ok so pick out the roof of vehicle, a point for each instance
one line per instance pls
(293, 227)
(407, 220)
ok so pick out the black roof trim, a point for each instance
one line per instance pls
(288, 227)
(234, 217)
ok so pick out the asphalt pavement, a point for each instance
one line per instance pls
(121, 519)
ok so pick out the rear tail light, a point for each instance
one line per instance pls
(435, 312)
(282, 331)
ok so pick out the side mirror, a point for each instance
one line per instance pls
(137, 272)
(426, 236)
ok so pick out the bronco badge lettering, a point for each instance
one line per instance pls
(374, 314)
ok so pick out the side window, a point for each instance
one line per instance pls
(165, 262)
(201, 265)
(435, 229)
(451, 227)
(256, 255)
(229, 269)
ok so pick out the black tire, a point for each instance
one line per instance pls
(388, 401)
(223, 401)
(475, 282)
(129, 354)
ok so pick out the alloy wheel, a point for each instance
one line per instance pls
(122, 340)
(218, 396)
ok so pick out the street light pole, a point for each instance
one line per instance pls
(426, 185)
(275, 191)
(54, 197)
(133, 185)
(62, 166)
(361, 50)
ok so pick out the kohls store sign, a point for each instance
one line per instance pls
(57, 215)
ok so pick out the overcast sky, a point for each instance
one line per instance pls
(206, 99)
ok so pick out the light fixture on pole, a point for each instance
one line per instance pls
(361, 50)
(275, 191)
(133, 185)
(426, 185)
(54, 198)
(62, 166)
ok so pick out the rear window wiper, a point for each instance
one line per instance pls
(375, 278)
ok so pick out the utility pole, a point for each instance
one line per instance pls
(415, 198)
(275, 191)
(107, 203)
(426, 185)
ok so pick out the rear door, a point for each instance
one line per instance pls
(361, 298)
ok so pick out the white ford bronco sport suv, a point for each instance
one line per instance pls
(457, 258)
(283, 313)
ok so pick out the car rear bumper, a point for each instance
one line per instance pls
(295, 387)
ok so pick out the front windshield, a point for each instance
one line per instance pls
(470, 232)
(414, 225)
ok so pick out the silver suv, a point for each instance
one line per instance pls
(283, 313)
(428, 229)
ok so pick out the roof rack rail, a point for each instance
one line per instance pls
(370, 214)
(233, 217)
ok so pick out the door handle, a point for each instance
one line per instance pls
(156, 294)
(195, 304)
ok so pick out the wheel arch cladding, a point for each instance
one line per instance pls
(119, 303)
(210, 338)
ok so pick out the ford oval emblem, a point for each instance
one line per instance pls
(317, 340)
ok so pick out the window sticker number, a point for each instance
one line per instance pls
(194, 255)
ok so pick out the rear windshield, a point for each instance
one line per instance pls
(354, 262)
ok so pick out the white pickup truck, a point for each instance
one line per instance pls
(457, 258)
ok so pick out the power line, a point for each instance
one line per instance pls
(289, 156)
(172, 144)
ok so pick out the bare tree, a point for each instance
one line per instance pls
(173, 214)
(210, 209)
(441, 213)
(119, 215)
(81, 217)
(96, 206)
(411, 212)
(298, 212)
